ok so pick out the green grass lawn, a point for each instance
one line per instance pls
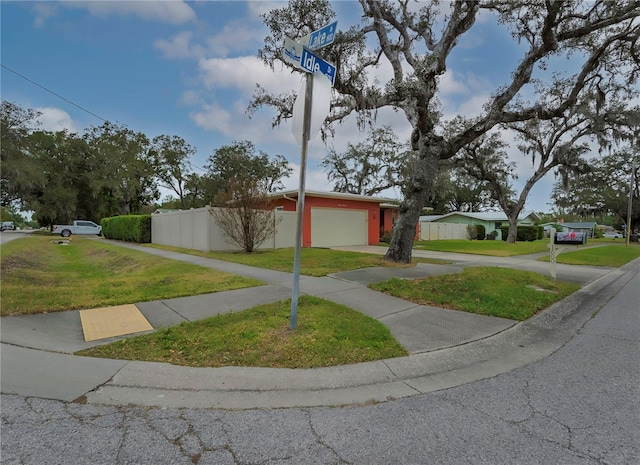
(493, 291)
(41, 276)
(494, 248)
(328, 334)
(38, 275)
(607, 255)
(313, 262)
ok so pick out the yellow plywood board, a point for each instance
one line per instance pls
(102, 323)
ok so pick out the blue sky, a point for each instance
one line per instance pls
(190, 69)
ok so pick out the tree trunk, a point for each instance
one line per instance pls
(417, 192)
(513, 211)
(404, 231)
(513, 229)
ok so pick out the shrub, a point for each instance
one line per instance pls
(385, 237)
(472, 232)
(132, 228)
(480, 231)
(492, 235)
(524, 233)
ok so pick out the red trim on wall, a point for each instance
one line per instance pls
(310, 202)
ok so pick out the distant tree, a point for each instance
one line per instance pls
(603, 190)
(370, 167)
(554, 145)
(229, 163)
(9, 213)
(20, 174)
(243, 213)
(195, 190)
(124, 176)
(66, 167)
(455, 190)
(486, 160)
(169, 157)
(416, 41)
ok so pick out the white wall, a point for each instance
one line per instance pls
(439, 231)
(197, 229)
(285, 230)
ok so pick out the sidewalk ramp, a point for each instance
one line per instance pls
(103, 323)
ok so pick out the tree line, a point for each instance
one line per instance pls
(554, 109)
(110, 170)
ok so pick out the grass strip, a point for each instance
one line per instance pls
(328, 334)
(493, 248)
(609, 255)
(313, 262)
(40, 275)
(492, 291)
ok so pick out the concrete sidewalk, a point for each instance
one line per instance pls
(447, 347)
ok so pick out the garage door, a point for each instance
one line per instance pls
(333, 227)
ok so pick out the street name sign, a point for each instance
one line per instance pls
(320, 38)
(313, 63)
(301, 57)
(292, 52)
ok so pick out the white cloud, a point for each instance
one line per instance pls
(243, 73)
(450, 84)
(236, 36)
(472, 107)
(42, 11)
(315, 179)
(214, 118)
(264, 6)
(179, 46)
(190, 97)
(173, 12)
(55, 119)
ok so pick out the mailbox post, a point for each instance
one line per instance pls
(565, 240)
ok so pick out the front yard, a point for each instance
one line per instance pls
(39, 275)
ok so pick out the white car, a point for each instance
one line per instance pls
(8, 225)
(612, 235)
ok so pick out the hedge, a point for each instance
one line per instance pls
(132, 228)
(481, 231)
(525, 233)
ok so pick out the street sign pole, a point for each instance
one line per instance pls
(299, 56)
(293, 323)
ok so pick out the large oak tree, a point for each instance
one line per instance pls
(600, 37)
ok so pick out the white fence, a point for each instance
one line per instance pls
(438, 231)
(196, 229)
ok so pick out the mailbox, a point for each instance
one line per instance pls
(570, 238)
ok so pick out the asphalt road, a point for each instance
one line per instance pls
(581, 405)
(6, 236)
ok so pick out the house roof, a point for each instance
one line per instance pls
(482, 216)
(587, 225)
(293, 194)
(165, 210)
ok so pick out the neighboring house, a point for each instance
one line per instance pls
(490, 220)
(165, 210)
(588, 227)
(336, 219)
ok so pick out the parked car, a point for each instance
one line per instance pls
(78, 227)
(612, 235)
(7, 225)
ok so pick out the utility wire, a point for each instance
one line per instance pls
(72, 103)
(52, 92)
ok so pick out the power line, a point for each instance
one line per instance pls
(52, 92)
(74, 104)
(196, 166)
